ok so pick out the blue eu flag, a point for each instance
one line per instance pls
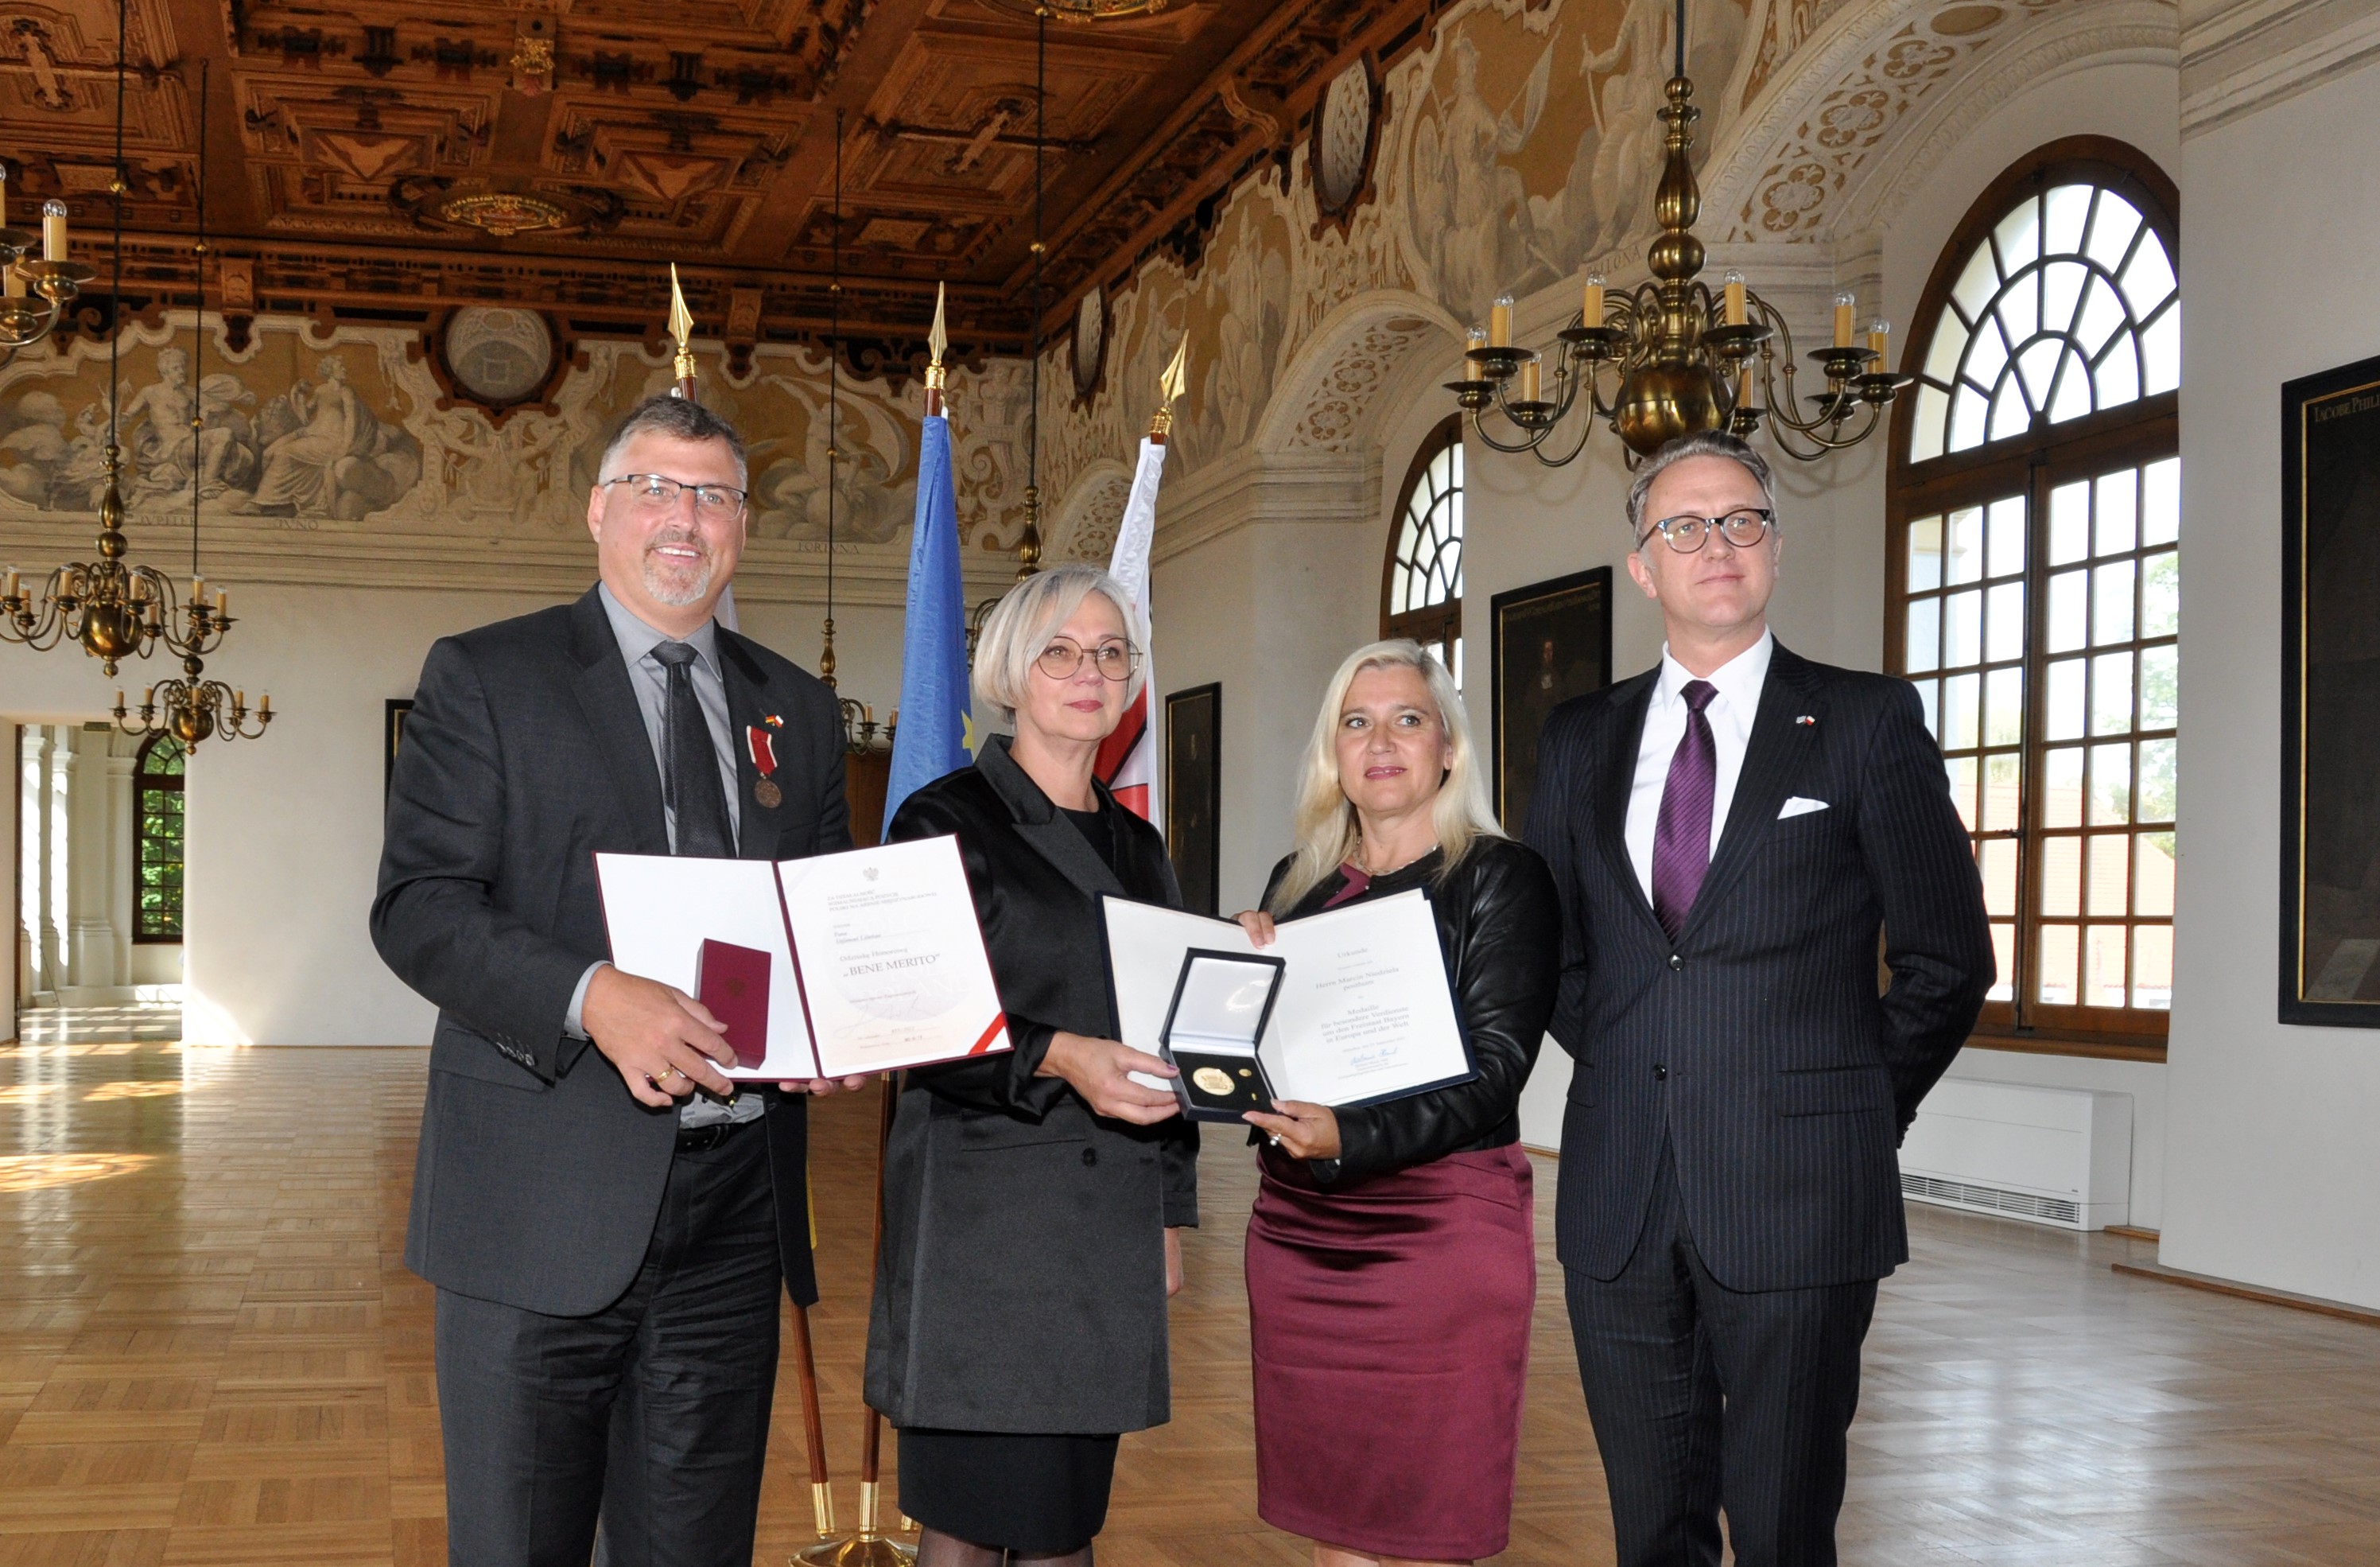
(932, 736)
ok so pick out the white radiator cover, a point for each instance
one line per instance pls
(2052, 1156)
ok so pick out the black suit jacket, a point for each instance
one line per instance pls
(1021, 1282)
(539, 1175)
(1757, 1044)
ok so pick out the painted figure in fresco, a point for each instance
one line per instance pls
(33, 447)
(789, 493)
(1471, 212)
(81, 478)
(160, 447)
(1255, 291)
(229, 459)
(329, 456)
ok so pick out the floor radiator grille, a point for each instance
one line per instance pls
(1989, 1200)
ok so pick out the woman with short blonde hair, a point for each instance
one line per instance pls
(1032, 1198)
(1391, 1270)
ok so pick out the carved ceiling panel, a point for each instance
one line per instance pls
(365, 153)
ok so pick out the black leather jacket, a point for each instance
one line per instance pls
(1500, 923)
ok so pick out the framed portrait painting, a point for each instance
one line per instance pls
(1193, 787)
(1549, 641)
(2330, 698)
(392, 735)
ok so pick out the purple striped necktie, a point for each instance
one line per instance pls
(1681, 839)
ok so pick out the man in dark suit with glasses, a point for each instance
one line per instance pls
(1729, 831)
(608, 1219)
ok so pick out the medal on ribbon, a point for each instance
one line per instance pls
(760, 742)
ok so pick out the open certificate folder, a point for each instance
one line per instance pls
(866, 961)
(1363, 1013)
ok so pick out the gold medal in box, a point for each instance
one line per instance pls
(1221, 1004)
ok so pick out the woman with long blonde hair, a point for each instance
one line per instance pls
(1390, 1262)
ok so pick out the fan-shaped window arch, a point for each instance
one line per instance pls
(1421, 593)
(157, 840)
(2035, 571)
(2065, 304)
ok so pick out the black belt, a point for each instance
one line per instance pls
(701, 1139)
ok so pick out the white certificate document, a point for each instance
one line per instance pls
(1364, 1014)
(893, 970)
(873, 958)
(661, 909)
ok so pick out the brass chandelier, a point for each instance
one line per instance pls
(113, 608)
(53, 279)
(1679, 358)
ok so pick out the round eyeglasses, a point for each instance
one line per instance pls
(1743, 528)
(659, 492)
(1061, 657)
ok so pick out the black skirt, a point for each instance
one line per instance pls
(1042, 1495)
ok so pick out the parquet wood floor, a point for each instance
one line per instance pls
(211, 1352)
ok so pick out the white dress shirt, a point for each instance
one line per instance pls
(648, 678)
(1730, 713)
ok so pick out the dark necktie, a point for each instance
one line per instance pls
(1681, 839)
(690, 774)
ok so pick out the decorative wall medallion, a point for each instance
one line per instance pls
(1346, 126)
(1090, 342)
(498, 356)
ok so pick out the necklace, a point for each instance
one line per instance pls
(1364, 859)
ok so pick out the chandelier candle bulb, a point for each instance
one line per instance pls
(1732, 295)
(1843, 303)
(1500, 322)
(54, 230)
(13, 282)
(1591, 308)
(223, 603)
(1879, 332)
(1530, 386)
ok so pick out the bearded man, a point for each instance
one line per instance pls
(607, 1219)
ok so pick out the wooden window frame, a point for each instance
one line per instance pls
(2033, 464)
(143, 780)
(1440, 624)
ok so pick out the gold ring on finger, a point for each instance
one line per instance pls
(670, 1072)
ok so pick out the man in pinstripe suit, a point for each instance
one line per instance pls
(1729, 831)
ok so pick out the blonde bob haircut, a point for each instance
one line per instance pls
(1027, 616)
(1327, 830)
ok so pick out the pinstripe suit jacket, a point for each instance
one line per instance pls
(1758, 1041)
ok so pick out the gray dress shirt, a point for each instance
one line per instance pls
(648, 677)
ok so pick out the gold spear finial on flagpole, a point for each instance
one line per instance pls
(938, 340)
(681, 326)
(1169, 386)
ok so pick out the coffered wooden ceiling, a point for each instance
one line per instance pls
(343, 139)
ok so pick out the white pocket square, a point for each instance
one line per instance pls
(1796, 805)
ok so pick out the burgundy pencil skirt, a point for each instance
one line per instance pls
(1389, 1324)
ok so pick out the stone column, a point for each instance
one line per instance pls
(27, 915)
(94, 856)
(55, 779)
(122, 858)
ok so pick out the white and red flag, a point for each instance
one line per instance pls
(1128, 759)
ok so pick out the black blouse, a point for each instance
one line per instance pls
(1499, 925)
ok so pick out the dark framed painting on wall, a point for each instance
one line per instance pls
(1547, 642)
(1193, 789)
(2330, 698)
(392, 736)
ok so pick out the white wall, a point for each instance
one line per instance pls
(284, 831)
(2273, 1169)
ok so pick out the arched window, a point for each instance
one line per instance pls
(157, 841)
(2034, 566)
(1421, 595)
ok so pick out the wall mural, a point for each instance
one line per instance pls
(1516, 149)
(1518, 145)
(348, 428)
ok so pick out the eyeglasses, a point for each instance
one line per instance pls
(659, 492)
(1742, 529)
(1061, 659)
